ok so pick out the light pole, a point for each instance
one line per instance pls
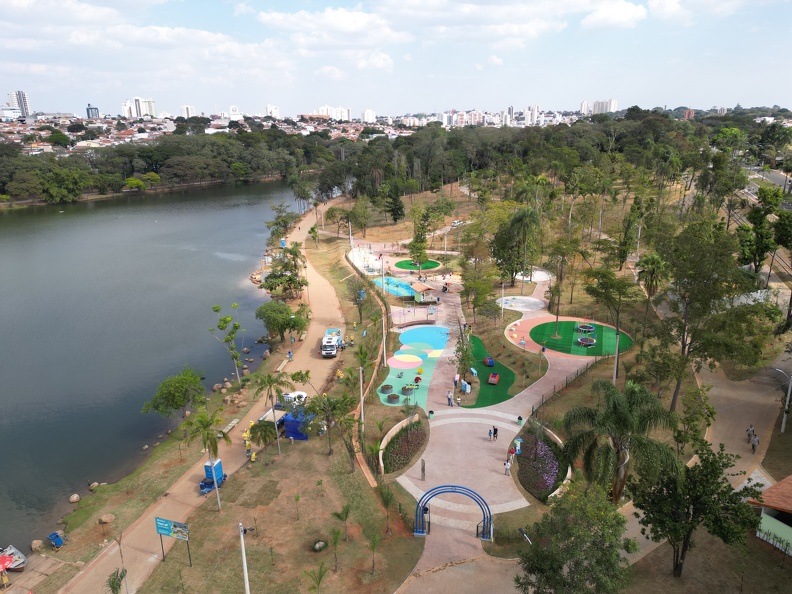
(362, 418)
(242, 532)
(786, 403)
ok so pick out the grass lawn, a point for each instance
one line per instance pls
(410, 265)
(489, 394)
(568, 337)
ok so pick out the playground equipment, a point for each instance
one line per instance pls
(587, 341)
(494, 378)
(489, 361)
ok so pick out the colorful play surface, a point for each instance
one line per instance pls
(410, 265)
(420, 349)
(571, 338)
(395, 286)
(490, 394)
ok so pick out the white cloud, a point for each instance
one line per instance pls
(479, 67)
(669, 10)
(243, 8)
(493, 59)
(376, 59)
(330, 73)
(615, 13)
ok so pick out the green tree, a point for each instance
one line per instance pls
(263, 434)
(134, 183)
(615, 293)
(208, 429)
(783, 237)
(463, 353)
(343, 515)
(507, 254)
(317, 577)
(577, 547)
(335, 536)
(335, 412)
(388, 498)
(151, 179)
(523, 225)
(58, 138)
(361, 215)
(697, 415)
(230, 327)
(279, 318)
(395, 208)
(115, 580)
(176, 392)
(313, 233)
(614, 437)
(273, 384)
(673, 508)
(373, 544)
(652, 272)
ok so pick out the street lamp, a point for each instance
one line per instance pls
(786, 403)
(242, 532)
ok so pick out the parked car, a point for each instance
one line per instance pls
(296, 397)
(457, 223)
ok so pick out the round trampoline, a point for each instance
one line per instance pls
(587, 341)
(411, 265)
(601, 340)
(586, 328)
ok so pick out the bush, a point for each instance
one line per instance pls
(401, 449)
(541, 467)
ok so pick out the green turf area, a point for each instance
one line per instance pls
(408, 265)
(490, 394)
(605, 337)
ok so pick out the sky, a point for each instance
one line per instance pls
(394, 56)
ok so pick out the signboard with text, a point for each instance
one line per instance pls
(172, 529)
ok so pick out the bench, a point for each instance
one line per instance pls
(282, 365)
(524, 535)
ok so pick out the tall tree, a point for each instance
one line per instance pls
(577, 547)
(274, 384)
(176, 392)
(523, 225)
(263, 434)
(652, 271)
(615, 436)
(207, 429)
(335, 412)
(673, 508)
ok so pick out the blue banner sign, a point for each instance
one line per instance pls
(172, 529)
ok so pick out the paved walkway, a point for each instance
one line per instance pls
(140, 541)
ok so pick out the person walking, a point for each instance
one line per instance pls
(291, 356)
(490, 434)
(512, 451)
(754, 443)
(750, 432)
(494, 434)
(450, 397)
(507, 468)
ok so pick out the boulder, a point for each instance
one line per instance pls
(144, 448)
(223, 390)
(227, 384)
(216, 387)
(93, 486)
(246, 350)
(266, 354)
(245, 372)
(227, 400)
(187, 413)
(242, 404)
(107, 519)
(244, 367)
(155, 444)
(37, 546)
(74, 498)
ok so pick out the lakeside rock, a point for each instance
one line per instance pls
(107, 519)
(227, 384)
(74, 498)
(37, 546)
(145, 447)
(216, 387)
(93, 486)
(246, 350)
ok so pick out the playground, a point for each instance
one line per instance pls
(411, 265)
(412, 366)
(582, 338)
(489, 393)
(396, 286)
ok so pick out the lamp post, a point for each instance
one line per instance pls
(242, 532)
(786, 403)
(362, 418)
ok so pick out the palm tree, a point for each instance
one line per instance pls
(652, 271)
(612, 436)
(115, 580)
(523, 224)
(263, 433)
(316, 576)
(273, 383)
(335, 536)
(387, 500)
(375, 540)
(343, 515)
(332, 411)
(208, 428)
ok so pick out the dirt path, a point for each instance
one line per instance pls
(141, 544)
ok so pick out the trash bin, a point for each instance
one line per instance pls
(519, 420)
(431, 414)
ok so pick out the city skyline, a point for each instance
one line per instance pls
(395, 57)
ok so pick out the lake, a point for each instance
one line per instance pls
(99, 302)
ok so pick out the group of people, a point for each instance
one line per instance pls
(753, 438)
(450, 397)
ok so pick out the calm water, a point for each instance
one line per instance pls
(98, 304)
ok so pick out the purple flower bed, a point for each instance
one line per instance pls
(401, 449)
(539, 467)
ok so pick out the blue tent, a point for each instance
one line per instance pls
(294, 424)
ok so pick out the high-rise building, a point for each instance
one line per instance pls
(585, 108)
(604, 106)
(368, 116)
(140, 107)
(19, 99)
(273, 111)
(91, 112)
(532, 115)
(336, 113)
(234, 114)
(187, 111)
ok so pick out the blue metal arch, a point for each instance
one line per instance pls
(420, 517)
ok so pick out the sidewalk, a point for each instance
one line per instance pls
(141, 544)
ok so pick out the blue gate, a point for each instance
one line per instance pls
(421, 509)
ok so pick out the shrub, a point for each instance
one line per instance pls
(540, 467)
(403, 447)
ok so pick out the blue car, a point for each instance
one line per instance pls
(207, 485)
